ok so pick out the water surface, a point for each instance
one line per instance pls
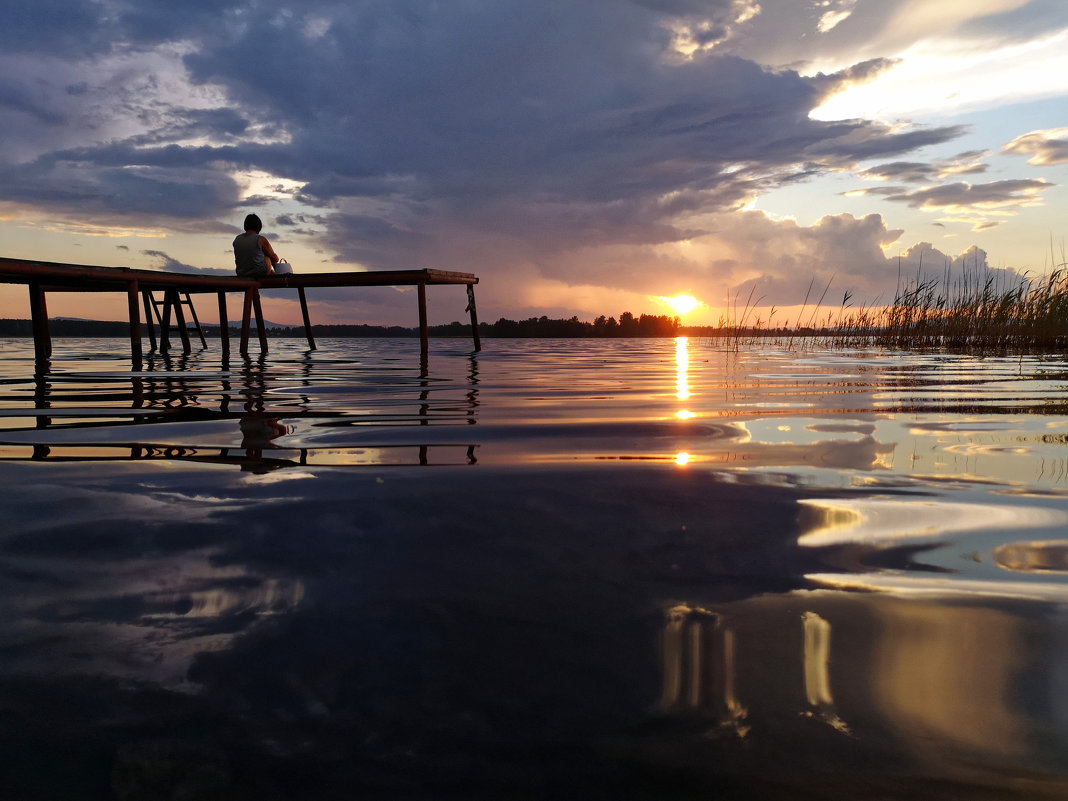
(555, 568)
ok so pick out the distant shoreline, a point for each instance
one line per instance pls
(533, 328)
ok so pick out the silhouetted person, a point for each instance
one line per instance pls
(253, 254)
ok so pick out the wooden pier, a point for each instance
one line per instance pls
(139, 285)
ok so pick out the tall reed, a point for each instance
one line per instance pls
(972, 311)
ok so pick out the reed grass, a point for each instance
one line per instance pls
(970, 310)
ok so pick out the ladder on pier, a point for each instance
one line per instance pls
(172, 302)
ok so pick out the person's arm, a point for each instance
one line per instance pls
(268, 254)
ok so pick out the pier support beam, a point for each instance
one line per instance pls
(196, 321)
(261, 326)
(146, 298)
(246, 314)
(42, 337)
(165, 326)
(134, 303)
(175, 300)
(224, 325)
(474, 316)
(307, 320)
(252, 304)
(424, 333)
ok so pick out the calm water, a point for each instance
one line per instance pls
(554, 569)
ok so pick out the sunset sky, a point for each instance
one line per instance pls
(583, 157)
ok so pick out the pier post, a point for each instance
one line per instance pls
(146, 297)
(165, 325)
(261, 327)
(196, 321)
(175, 300)
(133, 301)
(252, 302)
(42, 338)
(424, 333)
(246, 313)
(224, 325)
(307, 320)
(474, 316)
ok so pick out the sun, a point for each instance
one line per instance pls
(681, 304)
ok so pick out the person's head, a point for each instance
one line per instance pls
(252, 223)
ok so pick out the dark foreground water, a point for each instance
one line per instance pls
(639, 569)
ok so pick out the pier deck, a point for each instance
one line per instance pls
(44, 277)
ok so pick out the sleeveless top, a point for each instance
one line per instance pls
(248, 256)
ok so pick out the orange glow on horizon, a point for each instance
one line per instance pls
(681, 304)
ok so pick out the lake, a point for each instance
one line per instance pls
(617, 569)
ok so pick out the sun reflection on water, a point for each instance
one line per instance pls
(682, 387)
(682, 368)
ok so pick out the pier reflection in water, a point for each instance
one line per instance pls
(955, 690)
(86, 414)
(644, 569)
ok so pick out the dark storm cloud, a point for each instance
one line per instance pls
(184, 124)
(52, 26)
(858, 141)
(19, 99)
(541, 102)
(293, 220)
(182, 193)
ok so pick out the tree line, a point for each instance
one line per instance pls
(645, 325)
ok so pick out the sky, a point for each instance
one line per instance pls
(582, 157)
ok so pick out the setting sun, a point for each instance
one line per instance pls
(681, 304)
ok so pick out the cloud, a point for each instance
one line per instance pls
(1047, 147)
(580, 144)
(801, 266)
(815, 36)
(961, 197)
(502, 105)
(981, 207)
(134, 191)
(788, 262)
(911, 171)
(968, 163)
(699, 27)
(72, 25)
(170, 264)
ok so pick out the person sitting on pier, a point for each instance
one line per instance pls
(253, 254)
